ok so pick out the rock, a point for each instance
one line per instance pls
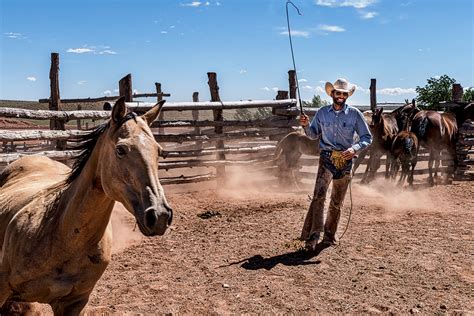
(420, 305)
(225, 285)
(443, 306)
(414, 310)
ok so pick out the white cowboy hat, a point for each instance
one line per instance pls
(341, 84)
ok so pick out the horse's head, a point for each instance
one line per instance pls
(376, 118)
(129, 168)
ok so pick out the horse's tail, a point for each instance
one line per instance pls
(408, 145)
(423, 127)
(279, 147)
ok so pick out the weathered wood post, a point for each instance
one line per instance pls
(457, 92)
(197, 130)
(373, 94)
(159, 97)
(55, 100)
(218, 116)
(79, 126)
(125, 88)
(292, 83)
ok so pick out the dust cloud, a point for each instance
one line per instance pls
(123, 224)
(392, 198)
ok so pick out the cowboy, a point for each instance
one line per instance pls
(335, 124)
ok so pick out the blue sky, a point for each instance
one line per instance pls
(401, 43)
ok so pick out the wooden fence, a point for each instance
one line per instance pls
(197, 147)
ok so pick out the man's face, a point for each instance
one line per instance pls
(339, 98)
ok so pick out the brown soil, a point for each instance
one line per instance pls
(405, 251)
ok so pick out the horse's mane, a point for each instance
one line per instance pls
(86, 142)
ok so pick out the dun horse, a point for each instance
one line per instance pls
(288, 152)
(55, 229)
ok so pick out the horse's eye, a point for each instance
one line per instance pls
(120, 150)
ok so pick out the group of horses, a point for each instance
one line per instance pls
(55, 231)
(398, 135)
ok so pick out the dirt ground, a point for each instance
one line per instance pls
(406, 251)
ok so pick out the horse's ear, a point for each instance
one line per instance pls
(119, 110)
(413, 103)
(153, 113)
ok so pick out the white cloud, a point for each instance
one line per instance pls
(368, 15)
(307, 87)
(14, 35)
(172, 27)
(135, 91)
(358, 4)
(396, 91)
(194, 4)
(265, 88)
(107, 52)
(31, 78)
(295, 33)
(218, 3)
(242, 71)
(207, 3)
(81, 82)
(164, 32)
(80, 50)
(302, 80)
(331, 28)
(116, 90)
(107, 92)
(92, 50)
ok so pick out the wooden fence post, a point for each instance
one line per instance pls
(79, 125)
(125, 88)
(292, 83)
(457, 92)
(281, 95)
(55, 99)
(159, 97)
(197, 130)
(373, 94)
(218, 116)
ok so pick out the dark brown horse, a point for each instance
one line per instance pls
(384, 128)
(405, 154)
(436, 132)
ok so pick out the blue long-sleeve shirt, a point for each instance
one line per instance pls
(337, 129)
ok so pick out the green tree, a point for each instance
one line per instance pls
(436, 91)
(316, 102)
(468, 95)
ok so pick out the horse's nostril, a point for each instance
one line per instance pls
(150, 218)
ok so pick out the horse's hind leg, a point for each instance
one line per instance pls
(430, 167)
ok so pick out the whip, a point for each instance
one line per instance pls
(292, 53)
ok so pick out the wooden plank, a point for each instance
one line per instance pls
(53, 154)
(187, 179)
(23, 135)
(213, 151)
(107, 98)
(273, 121)
(48, 115)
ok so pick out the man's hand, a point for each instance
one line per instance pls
(348, 154)
(304, 120)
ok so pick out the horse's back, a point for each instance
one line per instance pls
(21, 180)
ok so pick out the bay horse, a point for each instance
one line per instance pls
(436, 132)
(384, 128)
(404, 153)
(55, 231)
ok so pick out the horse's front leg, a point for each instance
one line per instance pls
(69, 307)
(5, 290)
(388, 164)
(410, 177)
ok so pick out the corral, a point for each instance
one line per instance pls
(234, 250)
